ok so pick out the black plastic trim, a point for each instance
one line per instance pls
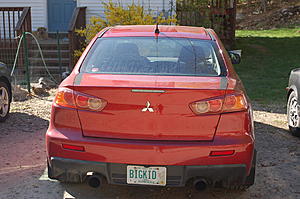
(71, 170)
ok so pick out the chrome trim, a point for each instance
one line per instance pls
(147, 91)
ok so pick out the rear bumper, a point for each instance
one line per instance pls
(151, 152)
(70, 170)
(186, 159)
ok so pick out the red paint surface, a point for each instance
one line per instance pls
(165, 31)
(233, 133)
(172, 135)
(172, 118)
(148, 81)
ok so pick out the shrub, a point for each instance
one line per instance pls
(116, 14)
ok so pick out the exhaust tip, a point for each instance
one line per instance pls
(200, 184)
(94, 181)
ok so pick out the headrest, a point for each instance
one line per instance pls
(188, 53)
(127, 49)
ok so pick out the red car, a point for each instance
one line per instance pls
(153, 105)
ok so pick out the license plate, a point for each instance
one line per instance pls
(146, 175)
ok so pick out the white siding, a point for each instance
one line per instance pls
(95, 7)
(38, 10)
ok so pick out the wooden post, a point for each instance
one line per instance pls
(26, 61)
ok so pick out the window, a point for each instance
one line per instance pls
(153, 56)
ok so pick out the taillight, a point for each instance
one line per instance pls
(209, 106)
(73, 99)
(65, 97)
(234, 102)
(229, 103)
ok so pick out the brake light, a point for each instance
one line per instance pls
(231, 103)
(73, 99)
(209, 106)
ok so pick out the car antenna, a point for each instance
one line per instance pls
(156, 29)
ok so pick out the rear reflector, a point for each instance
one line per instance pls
(221, 153)
(73, 147)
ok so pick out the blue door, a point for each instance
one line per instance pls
(59, 14)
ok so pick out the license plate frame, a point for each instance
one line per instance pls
(141, 175)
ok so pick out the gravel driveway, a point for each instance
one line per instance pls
(22, 165)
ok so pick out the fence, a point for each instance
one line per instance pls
(13, 21)
(216, 14)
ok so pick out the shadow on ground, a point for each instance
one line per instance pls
(22, 122)
(276, 175)
(270, 108)
(277, 168)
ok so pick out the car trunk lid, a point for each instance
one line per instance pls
(149, 107)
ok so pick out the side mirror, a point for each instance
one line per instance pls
(64, 75)
(235, 56)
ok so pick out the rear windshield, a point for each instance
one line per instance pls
(153, 56)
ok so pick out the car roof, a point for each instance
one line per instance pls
(165, 31)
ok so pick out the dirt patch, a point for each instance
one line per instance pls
(23, 165)
(279, 14)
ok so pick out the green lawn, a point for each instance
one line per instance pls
(267, 59)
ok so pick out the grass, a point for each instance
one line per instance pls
(268, 56)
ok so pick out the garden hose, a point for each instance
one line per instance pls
(41, 53)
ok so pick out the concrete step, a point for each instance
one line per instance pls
(50, 49)
(50, 44)
(50, 68)
(62, 35)
(37, 61)
(49, 53)
(40, 71)
(51, 41)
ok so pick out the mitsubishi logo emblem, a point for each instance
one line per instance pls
(148, 108)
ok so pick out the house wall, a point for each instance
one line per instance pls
(38, 10)
(95, 7)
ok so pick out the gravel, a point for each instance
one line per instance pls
(23, 165)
